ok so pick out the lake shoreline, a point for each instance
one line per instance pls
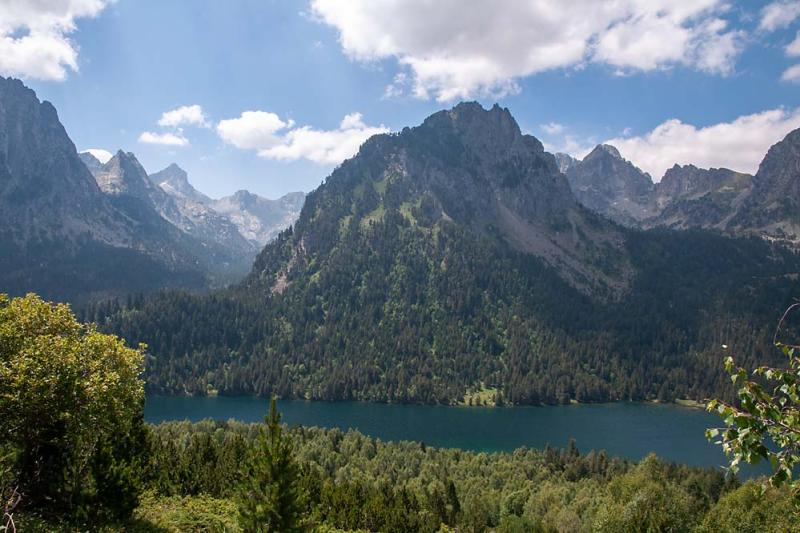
(679, 402)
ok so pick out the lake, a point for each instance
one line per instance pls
(630, 430)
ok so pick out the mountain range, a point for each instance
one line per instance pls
(720, 199)
(453, 259)
(75, 229)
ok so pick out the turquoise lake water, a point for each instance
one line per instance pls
(630, 430)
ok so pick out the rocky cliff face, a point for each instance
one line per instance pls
(565, 162)
(773, 206)
(175, 182)
(612, 186)
(91, 162)
(691, 197)
(260, 219)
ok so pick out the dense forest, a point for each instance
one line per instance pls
(406, 317)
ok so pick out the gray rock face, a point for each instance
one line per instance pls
(565, 162)
(691, 197)
(256, 219)
(612, 186)
(773, 206)
(260, 219)
(91, 162)
(175, 182)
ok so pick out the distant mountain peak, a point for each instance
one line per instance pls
(124, 175)
(175, 181)
(609, 184)
(605, 149)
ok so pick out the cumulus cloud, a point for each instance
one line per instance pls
(739, 145)
(101, 155)
(451, 51)
(274, 138)
(34, 40)
(187, 115)
(166, 139)
(253, 130)
(791, 74)
(780, 14)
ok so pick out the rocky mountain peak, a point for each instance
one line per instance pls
(175, 181)
(773, 207)
(488, 133)
(609, 184)
(471, 167)
(91, 162)
(123, 175)
(605, 149)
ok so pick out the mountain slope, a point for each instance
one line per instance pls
(61, 236)
(438, 262)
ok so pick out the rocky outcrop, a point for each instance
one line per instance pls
(691, 197)
(612, 186)
(773, 206)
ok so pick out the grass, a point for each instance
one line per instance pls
(485, 396)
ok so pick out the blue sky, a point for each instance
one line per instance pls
(679, 84)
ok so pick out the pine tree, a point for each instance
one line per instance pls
(270, 497)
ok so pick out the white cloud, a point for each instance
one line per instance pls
(552, 128)
(780, 14)
(451, 51)
(166, 139)
(793, 48)
(34, 40)
(739, 145)
(277, 139)
(253, 130)
(187, 115)
(101, 155)
(791, 74)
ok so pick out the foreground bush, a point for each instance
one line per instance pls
(72, 435)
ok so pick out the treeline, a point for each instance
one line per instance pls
(398, 312)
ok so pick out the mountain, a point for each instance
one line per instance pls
(765, 205)
(91, 162)
(773, 206)
(260, 219)
(61, 236)
(612, 186)
(452, 258)
(691, 197)
(565, 162)
(184, 226)
(175, 182)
